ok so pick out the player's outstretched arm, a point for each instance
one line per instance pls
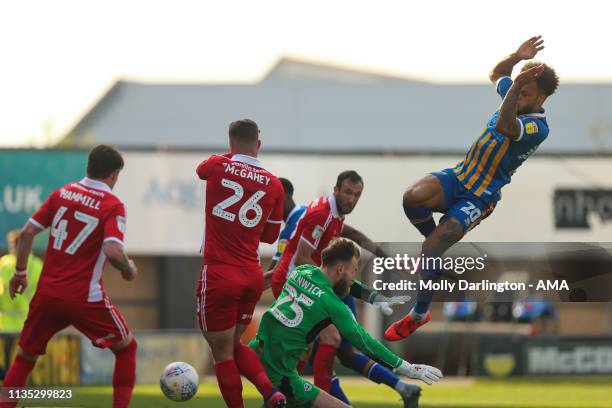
(508, 124)
(362, 240)
(118, 258)
(525, 51)
(346, 324)
(425, 373)
(349, 328)
(385, 304)
(362, 291)
(303, 253)
(19, 281)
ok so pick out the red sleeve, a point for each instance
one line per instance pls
(204, 168)
(270, 233)
(272, 228)
(276, 216)
(44, 216)
(314, 226)
(114, 226)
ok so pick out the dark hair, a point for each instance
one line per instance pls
(339, 250)
(103, 160)
(287, 186)
(351, 175)
(244, 130)
(548, 81)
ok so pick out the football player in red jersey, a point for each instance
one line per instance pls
(322, 222)
(87, 227)
(244, 206)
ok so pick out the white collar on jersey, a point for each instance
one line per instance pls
(333, 207)
(534, 115)
(98, 185)
(243, 158)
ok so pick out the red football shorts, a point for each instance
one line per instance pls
(100, 321)
(227, 296)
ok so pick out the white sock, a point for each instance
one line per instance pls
(417, 316)
(399, 387)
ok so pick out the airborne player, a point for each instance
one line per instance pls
(468, 193)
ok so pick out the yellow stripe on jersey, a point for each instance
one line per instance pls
(493, 168)
(468, 156)
(459, 167)
(481, 164)
(474, 161)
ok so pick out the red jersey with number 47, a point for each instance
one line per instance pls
(244, 206)
(82, 216)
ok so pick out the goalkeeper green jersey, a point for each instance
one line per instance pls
(306, 305)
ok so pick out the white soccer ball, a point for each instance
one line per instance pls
(179, 381)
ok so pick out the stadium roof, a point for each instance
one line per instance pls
(308, 107)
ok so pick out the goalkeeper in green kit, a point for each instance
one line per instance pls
(309, 302)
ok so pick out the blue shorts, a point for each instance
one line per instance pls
(463, 205)
(350, 302)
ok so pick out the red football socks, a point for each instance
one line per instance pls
(230, 384)
(124, 375)
(249, 365)
(323, 366)
(16, 376)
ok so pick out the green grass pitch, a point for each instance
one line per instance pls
(591, 392)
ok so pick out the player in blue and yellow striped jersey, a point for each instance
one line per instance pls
(468, 193)
(291, 215)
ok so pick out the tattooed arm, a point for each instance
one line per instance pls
(508, 124)
(362, 240)
(118, 258)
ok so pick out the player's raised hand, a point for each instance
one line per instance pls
(17, 285)
(529, 75)
(425, 373)
(530, 48)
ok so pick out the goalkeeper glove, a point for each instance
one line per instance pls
(425, 373)
(386, 304)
